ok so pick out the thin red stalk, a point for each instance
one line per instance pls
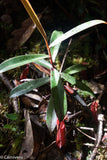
(49, 52)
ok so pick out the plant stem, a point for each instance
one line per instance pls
(49, 52)
(65, 55)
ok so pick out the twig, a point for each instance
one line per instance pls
(7, 83)
(86, 134)
(15, 104)
(105, 129)
(87, 128)
(88, 144)
(99, 137)
(46, 149)
(92, 129)
(65, 55)
(73, 115)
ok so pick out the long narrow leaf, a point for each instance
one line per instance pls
(68, 78)
(58, 95)
(76, 82)
(14, 62)
(44, 63)
(28, 86)
(76, 30)
(55, 49)
(34, 17)
(75, 69)
(51, 118)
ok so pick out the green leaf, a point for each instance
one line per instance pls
(28, 86)
(68, 78)
(55, 49)
(19, 61)
(14, 129)
(44, 63)
(12, 116)
(1, 145)
(51, 118)
(8, 126)
(76, 82)
(58, 94)
(75, 69)
(76, 30)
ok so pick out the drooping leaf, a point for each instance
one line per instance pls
(77, 83)
(76, 30)
(12, 116)
(55, 49)
(58, 94)
(75, 69)
(28, 86)
(51, 116)
(14, 62)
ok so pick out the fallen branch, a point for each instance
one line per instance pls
(86, 134)
(92, 129)
(87, 128)
(7, 83)
(47, 149)
(69, 117)
(99, 136)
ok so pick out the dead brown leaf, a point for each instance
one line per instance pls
(28, 143)
(21, 35)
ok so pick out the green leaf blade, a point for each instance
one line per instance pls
(44, 63)
(58, 95)
(51, 118)
(75, 69)
(12, 116)
(54, 50)
(76, 82)
(28, 86)
(69, 78)
(76, 30)
(14, 62)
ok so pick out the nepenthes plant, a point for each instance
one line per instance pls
(57, 106)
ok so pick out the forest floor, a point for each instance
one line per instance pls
(23, 130)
